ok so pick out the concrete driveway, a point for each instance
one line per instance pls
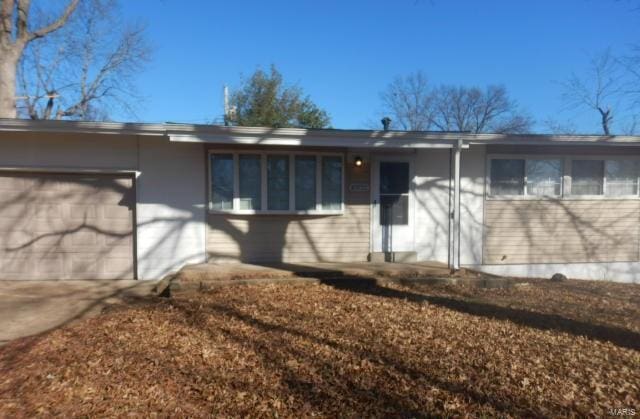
(31, 307)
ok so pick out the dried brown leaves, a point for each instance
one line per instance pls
(345, 351)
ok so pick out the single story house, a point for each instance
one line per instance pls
(118, 200)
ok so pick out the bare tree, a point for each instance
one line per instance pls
(475, 110)
(16, 32)
(415, 105)
(601, 89)
(631, 64)
(410, 102)
(84, 70)
(555, 126)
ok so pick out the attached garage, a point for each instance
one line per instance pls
(66, 226)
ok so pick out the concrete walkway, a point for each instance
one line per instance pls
(31, 307)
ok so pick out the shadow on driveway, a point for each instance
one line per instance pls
(31, 307)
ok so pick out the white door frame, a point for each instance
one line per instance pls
(408, 232)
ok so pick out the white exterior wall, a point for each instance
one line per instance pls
(472, 179)
(171, 206)
(432, 206)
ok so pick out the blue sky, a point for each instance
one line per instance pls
(343, 53)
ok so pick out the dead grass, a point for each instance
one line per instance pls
(348, 349)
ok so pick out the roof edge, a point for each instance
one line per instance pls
(213, 133)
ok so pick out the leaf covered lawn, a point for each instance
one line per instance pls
(340, 350)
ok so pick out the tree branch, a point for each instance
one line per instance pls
(21, 20)
(60, 22)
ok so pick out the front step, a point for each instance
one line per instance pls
(399, 257)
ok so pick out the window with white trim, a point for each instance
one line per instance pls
(621, 177)
(525, 177)
(593, 177)
(272, 182)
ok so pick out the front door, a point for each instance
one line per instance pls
(393, 204)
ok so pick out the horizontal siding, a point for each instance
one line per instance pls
(296, 238)
(561, 231)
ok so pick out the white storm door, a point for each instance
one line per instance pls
(393, 202)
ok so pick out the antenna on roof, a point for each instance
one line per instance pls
(229, 111)
(225, 93)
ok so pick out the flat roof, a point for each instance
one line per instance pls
(217, 134)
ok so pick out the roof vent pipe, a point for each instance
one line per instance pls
(386, 123)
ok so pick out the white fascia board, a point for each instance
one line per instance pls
(546, 139)
(82, 127)
(313, 141)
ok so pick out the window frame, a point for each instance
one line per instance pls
(565, 186)
(526, 158)
(263, 182)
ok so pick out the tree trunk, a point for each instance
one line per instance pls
(8, 63)
(606, 118)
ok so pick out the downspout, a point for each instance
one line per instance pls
(455, 257)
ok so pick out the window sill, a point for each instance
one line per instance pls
(256, 212)
(562, 198)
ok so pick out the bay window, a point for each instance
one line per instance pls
(271, 182)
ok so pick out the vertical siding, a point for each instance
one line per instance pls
(472, 178)
(171, 206)
(561, 231)
(296, 238)
(432, 184)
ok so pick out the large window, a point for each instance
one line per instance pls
(275, 182)
(531, 177)
(604, 177)
(544, 177)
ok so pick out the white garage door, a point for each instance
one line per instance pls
(66, 226)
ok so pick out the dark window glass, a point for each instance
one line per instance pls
(394, 210)
(587, 177)
(250, 181)
(507, 177)
(278, 182)
(332, 183)
(222, 181)
(394, 177)
(305, 183)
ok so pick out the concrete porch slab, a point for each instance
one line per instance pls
(241, 271)
(31, 307)
(206, 276)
